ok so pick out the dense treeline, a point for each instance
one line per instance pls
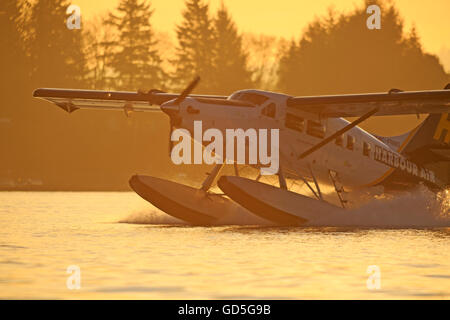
(337, 55)
(123, 50)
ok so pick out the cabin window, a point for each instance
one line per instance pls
(350, 142)
(366, 149)
(315, 129)
(340, 141)
(269, 111)
(252, 98)
(295, 123)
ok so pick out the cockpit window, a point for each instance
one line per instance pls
(295, 123)
(235, 96)
(250, 97)
(315, 129)
(350, 142)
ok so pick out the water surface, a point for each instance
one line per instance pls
(126, 248)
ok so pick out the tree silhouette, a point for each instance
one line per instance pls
(100, 48)
(56, 52)
(230, 61)
(13, 60)
(136, 62)
(14, 81)
(195, 50)
(339, 54)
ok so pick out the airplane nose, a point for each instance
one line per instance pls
(173, 111)
(170, 109)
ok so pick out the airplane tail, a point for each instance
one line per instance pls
(429, 146)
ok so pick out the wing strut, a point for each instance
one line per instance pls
(316, 183)
(211, 177)
(338, 133)
(282, 180)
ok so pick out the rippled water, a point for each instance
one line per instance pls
(126, 248)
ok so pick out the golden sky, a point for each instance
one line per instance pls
(288, 18)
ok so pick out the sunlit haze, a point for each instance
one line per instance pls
(287, 18)
(228, 150)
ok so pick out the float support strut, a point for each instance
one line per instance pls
(211, 177)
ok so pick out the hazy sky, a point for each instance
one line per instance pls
(288, 18)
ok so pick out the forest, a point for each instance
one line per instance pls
(44, 148)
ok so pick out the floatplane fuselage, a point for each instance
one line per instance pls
(352, 155)
(315, 145)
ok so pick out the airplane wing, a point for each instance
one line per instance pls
(72, 99)
(395, 102)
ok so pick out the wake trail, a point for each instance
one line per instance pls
(157, 217)
(419, 208)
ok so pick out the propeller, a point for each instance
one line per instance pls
(187, 91)
(177, 102)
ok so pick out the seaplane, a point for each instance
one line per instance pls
(318, 147)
